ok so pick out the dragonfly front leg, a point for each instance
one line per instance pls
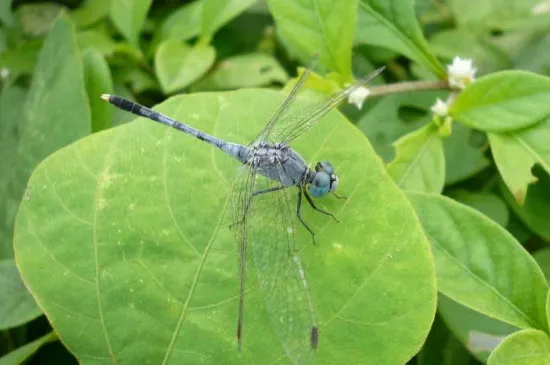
(318, 209)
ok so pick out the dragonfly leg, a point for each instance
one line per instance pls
(339, 196)
(299, 214)
(318, 209)
(255, 193)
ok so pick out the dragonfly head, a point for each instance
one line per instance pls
(324, 181)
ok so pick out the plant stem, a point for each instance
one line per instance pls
(402, 87)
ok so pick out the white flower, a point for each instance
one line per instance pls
(461, 73)
(440, 108)
(358, 97)
(541, 8)
(4, 73)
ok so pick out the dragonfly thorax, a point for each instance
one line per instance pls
(323, 180)
(268, 154)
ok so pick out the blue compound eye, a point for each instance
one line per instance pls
(324, 166)
(320, 185)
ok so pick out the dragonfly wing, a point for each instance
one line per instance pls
(292, 125)
(243, 185)
(279, 270)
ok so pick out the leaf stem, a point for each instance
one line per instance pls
(408, 86)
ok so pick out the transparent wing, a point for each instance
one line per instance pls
(292, 125)
(279, 270)
(241, 191)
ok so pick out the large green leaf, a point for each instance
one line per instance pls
(504, 101)
(129, 16)
(54, 114)
(126, 229)
(480, 265)
(17, 306)
(517, 152)
(19, 355)
(393, 24)
(178, 65)
(323, 27)
(419, 164)
(527, 347)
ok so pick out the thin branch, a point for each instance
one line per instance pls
(402, 87)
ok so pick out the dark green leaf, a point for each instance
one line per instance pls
(463, 158)
(216, 13)
(323, 27)
(543, 259)
(97, 78)
(480, 265)
(393, 24)
(90, 12)
(17, 305)
(126, 229)
(516, 153)
(536, 206)
(19, 355)
(55, 114)
(504, 101)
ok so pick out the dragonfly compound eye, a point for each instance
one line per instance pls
(320, 185)
(324, 166)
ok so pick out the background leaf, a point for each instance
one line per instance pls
(97, 78)
(56, 94)
(19, 355)
(178, 65)
(392, 24)
(527, 347)
(90, 12)
(140, 205)
(128, 17)
(489, 204)
(480, 265)
(419, 164)
(216, 13)
(516, 152)
(322, 27)
(503, 101)
(17, 306)
(5, 12)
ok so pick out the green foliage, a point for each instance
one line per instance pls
(117, 230)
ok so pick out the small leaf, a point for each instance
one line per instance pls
(97, 40)
(527, 347)
(393, 24)
(419, 164)
(23, 353)
(22, 58)
(478, 333)
(181, 24)
(504, 101)
(245, 70)
(216, 13)
(37, 19)
(90, 12)
(97, 78)
(534, 210)
(323, 27)
(178, 65)
(126, 229)
(17, 305)
(516, 153)
(54, 115)
(480, 265)
(129, 16)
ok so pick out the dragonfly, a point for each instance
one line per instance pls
(263, 218)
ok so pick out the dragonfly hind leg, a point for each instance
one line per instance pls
(299, 214)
